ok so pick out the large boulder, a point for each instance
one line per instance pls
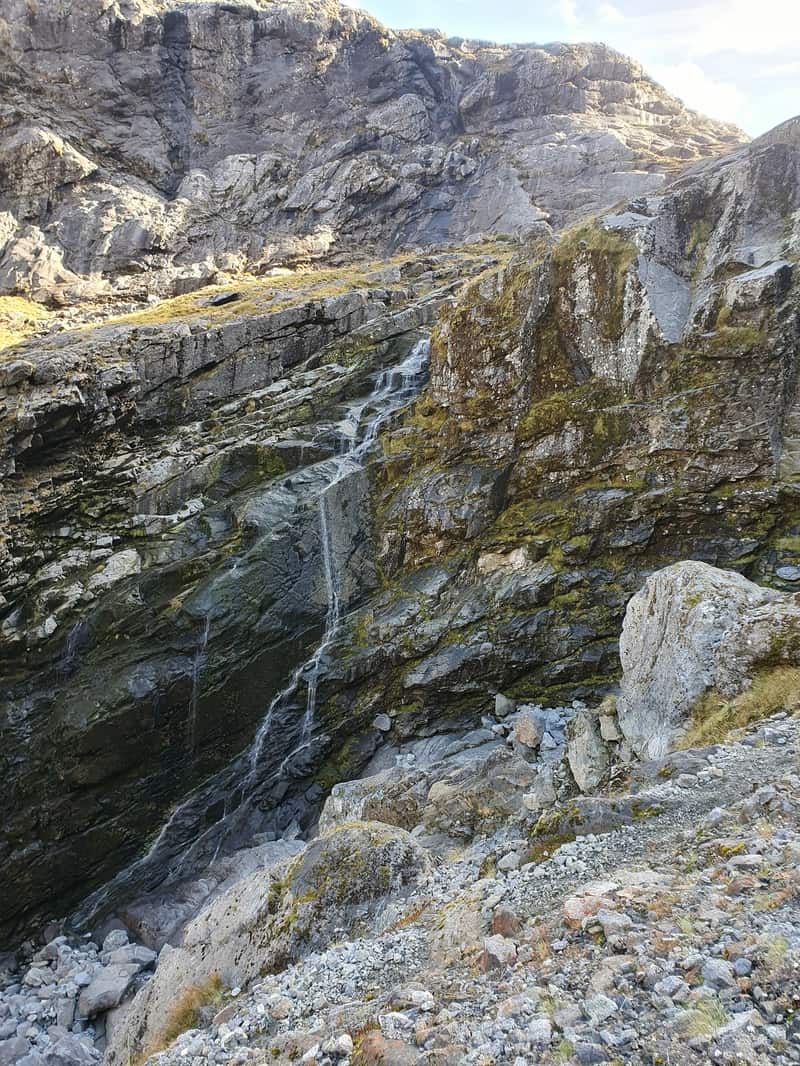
(266, 921)
(691, 628)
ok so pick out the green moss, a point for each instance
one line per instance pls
(546, 416)
(698, 237)
(543, 849)
(791, 544)
(611, 255)
(736, 338)
(643, 811)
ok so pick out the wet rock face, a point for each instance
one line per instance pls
(611, 403)
(187, 135)
(163, 575)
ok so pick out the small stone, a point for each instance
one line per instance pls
(583, 904)
(225, 1014)
(280, 1008)
(117, 938)
(742, 967)
(505, 922)
(613, 923)
(539, 1030)
(377, 1050)
(498, 952)
(503, 706)
(528, 730)
(599, 1008)
(344, 1045)
(11, 1051)
(608, 728)
(718, 974)
(382, 722)
(588, 1054)
(670, 986)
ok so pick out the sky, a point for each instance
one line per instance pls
(736, 60)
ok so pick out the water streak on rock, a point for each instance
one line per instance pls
(191, 838)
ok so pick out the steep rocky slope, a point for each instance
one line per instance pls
(478, 899)
(162, 563)
(609, 403)
(150, 147)
(599, 408)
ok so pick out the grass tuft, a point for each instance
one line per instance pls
(186, 1014)
(18, 318)
(713, 718)
(705, 1018)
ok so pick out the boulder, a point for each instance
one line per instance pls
(70, 1050)
(12, 1050)
(394, 796)
(691, 628)
(528, 730)
(586, 751)
(543, 790)
(377, 1050)
(499, 952)
(480, 797)
(107, 988)
(264, 922)
(503, 706)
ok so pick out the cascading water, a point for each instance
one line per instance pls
(187, 842)
(197, 668)
(394, 389)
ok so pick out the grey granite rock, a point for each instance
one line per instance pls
(186, 137)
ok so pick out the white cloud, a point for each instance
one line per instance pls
(743, 26)
(718, 99)
(568, 12)
(609, 13)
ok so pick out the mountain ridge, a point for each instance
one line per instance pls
(149, 149)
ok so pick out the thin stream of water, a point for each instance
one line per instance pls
(356, 434)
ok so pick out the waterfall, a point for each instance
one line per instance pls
(198, 662)
(356, 434)
(186, 841)
(76, 638)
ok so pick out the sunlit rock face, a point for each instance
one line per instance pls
(150, 149)
(615, 400)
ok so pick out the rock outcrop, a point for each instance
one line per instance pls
(606, 405)
(339, 881)
(691, 629)
(151, 147)
(162, 571)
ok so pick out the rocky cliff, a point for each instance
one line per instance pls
(166, 565)
(148, 147)
(606, 404)
(210, 615)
